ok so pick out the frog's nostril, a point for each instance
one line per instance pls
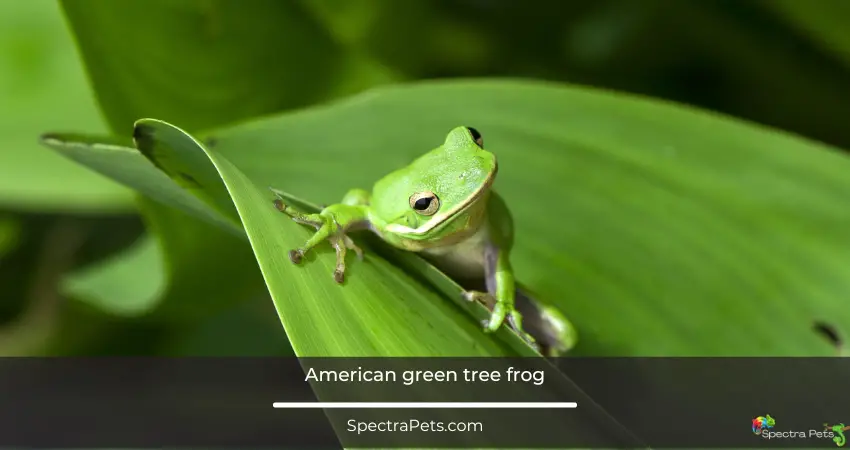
(476, 136)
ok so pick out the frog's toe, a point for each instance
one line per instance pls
(515, 321)
(296, 256)
(351, 245)
(339, 275)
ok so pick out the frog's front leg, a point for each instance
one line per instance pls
(332, 224)
(502, 288)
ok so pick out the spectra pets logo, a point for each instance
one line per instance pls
(763, 427)
(762, 423)
(838, 433)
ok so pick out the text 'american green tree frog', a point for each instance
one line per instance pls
(443, 206)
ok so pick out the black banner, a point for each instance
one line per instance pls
(424, 402)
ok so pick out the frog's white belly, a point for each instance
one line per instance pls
(464, 259)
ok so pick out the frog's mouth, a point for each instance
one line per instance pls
(446, 217)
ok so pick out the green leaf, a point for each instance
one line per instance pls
(114, 284)
(182, 292)
(42, 82)
(104, 286)
(210, 62)
(209, 268)
(10, 231)
(201, 63)
(824, 22)
(657, 229)
(258, 335)
(117, 158)
(379, 311)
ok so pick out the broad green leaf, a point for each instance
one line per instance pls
(127, 165)
(387, 313)
(657, 229)
(42, 82)
(380, 310)
(206, 63)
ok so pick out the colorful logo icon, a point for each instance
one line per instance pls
(838, 432)
(763, 423)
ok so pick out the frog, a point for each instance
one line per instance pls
(443, 206)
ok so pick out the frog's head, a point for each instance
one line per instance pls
(440, 196)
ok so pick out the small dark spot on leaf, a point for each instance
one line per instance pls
(829, 332)
(210, 142)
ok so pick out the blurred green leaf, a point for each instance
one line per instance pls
(42, 82)
(659, 230)
(128, 284)
(186, 292)
(259, 333)
(824, 22)
(208, 268)
(10, 230)
(210, 62)
(743, 63)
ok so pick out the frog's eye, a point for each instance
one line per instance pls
(425, 203)
(476, 136)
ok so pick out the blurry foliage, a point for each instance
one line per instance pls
(87, 269)
(42, 81)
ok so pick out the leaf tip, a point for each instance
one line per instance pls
(50, 138)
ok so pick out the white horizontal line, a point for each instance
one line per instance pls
(425, 405)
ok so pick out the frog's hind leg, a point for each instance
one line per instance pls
(501, 287)
(553, 334)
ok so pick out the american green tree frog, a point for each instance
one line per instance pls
(443, 206)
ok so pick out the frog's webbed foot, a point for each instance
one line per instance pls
(499, 312)
(327, 228)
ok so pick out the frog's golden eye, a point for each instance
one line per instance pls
(425, 203)
(476, 136)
